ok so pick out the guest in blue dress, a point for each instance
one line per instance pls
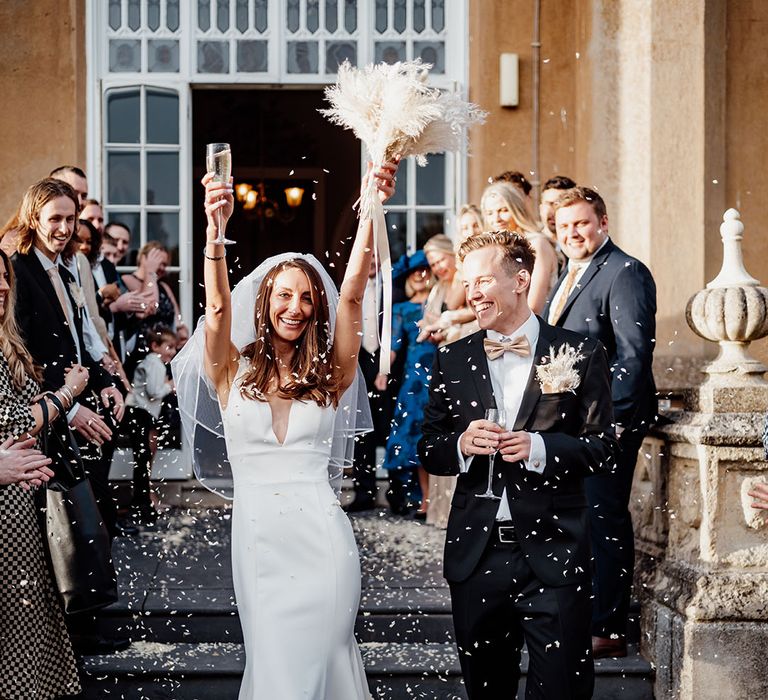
(408, 481)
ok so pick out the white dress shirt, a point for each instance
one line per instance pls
(583, 266)
(509, 375)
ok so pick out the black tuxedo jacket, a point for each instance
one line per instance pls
(549, 510)
(44, 327)
(615, 302)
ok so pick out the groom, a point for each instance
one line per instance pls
(518, 567)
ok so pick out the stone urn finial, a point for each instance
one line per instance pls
(733, 309)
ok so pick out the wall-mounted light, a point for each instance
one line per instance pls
(250, 199)
(241, 191)
(509, 82)
(293, 196)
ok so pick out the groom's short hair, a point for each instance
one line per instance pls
(516, 250)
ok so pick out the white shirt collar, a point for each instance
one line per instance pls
(45, 260)
(584, 262)
(530, 329)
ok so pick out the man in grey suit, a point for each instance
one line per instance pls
(605, 294)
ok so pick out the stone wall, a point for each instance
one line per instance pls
(43, 83)
(702, 552)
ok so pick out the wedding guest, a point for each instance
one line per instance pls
(51, 324)
(400, 458)
(550, 193)
(23, 464)
(610, 296)
(89, 246)
(75, 178)
(109, 249)
(446, 313)
(505, 210)
(9, 234)
(162, 307)
(93, 213)
(121, 235)
(454, 319)
(470, 221)
(364, 465)
(35, 652)
(150, 386)
(84, 293)
(521, 183)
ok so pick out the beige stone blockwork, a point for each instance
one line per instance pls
(43, 81)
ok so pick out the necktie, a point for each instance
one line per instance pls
(519, 346)
(568, 284)
(370, 318)
(58, 287)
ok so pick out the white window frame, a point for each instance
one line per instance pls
(100, 80)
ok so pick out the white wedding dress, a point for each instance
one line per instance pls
(294, 557)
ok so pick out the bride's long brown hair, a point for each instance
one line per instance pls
(312, 375)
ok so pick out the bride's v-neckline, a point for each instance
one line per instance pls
(287, 422)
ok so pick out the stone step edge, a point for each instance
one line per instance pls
(153, 659)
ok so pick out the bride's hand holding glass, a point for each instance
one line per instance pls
(219, 205)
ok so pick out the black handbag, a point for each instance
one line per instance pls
(79, 545)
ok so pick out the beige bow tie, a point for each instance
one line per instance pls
(519, 346)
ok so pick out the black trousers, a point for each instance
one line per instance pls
(136, 426)
(364, 466)
(97, 461)
(503, 604)
(613, 540)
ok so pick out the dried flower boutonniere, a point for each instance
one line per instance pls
(557, 373)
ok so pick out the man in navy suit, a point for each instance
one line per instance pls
(605, 294)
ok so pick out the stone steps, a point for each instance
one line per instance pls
(202, 671)
(177, 604)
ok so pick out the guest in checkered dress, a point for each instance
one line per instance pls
(36, 659)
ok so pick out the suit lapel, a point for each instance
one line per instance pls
(478, 365)
(532, 392)
(44, 281)
(597, 263)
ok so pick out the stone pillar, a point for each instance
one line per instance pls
(703, 551)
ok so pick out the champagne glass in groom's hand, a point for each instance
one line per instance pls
(218, 160)
(498, 416)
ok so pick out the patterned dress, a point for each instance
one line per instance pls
(36, 660)
(414, 390)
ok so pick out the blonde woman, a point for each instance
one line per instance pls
(504, 209)
(470, 221)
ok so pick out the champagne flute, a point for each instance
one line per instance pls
(218, 160)
(498, 416)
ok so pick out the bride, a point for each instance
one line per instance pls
(272, 370)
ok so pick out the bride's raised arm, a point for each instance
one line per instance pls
(349, 321)
(220, 354)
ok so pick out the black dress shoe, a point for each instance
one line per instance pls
(420, 515)
(359, 504)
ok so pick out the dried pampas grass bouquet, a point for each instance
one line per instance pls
(393, 111)
(396, 114)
